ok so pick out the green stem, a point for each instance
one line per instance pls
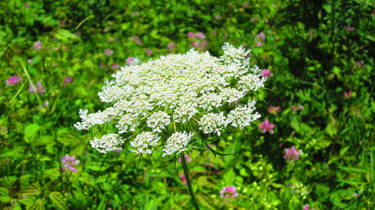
(187, 177)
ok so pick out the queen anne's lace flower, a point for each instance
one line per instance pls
(158, 121)
(144, 143)
(178, 92)
(109, 142)
(177, 143)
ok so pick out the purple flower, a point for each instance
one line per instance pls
(187, 158)
(39, 88)
(306, 207)
(349, 28)
(68, 163)
(136, 39)
(108, 52)
(274, 110)
(266, 126)
(115, 66)
(129, 60)
(67, 80)
(356, 195)
(191, 35)
(27, 5)
(171, 46)
(38, 45)
(229, 191)
(13, 80)
(183, 179)
(148, 51)
(266, 73)
(259, 44)
(262, 36)
(292, 153)
(195, 44)
(200, 35)
(46, 103)
(348, 94)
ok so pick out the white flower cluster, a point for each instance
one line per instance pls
(177, 143)
(183, 89)
(109, 142)
(144, 143)
(158, 121)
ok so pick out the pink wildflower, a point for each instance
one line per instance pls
(38, 45)
(274, 110)
(306, 207)
(349, 28)
(355, 194)
(348, 94)
(171, 46)
(294, 108)
(200, 35)
(254, 19)
(292, 153)
(129, 60)
(266, 73)
(27, 5)
(46, 103)
(204, 43)
(67, 80)
(214, 33)
(183, 179)
(136, 39)
(187, 158)
(191, 35)
(13, 80)
(68, 163)
(39, 88)
(266, 126)
(300, 107)
(262, 36)
(108, 52)
(259, 44)
(115, 66)
(148, 51)
(229, 191)
(195, 44)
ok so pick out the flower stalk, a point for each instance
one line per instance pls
(188, 182)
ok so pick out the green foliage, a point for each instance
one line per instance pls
(320, 54)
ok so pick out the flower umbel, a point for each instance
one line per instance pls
(164, 102)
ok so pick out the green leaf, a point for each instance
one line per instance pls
(37, 205)
(30, 190)
(30, 131)
(65, 35)
(58, 199)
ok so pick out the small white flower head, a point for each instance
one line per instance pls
(158, 121)
(184, 113)
(242, 116)
(128, 123)
(144, 143)
(212, 123)
(177, 143)
(109, 142)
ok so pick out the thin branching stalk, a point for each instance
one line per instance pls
(187, 177)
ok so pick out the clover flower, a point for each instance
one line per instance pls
(229, 191)
(13, 80)
(266, 126)
(165, 102)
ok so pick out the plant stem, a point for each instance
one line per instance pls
(187, 177)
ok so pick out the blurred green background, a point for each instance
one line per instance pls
(321, 57)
